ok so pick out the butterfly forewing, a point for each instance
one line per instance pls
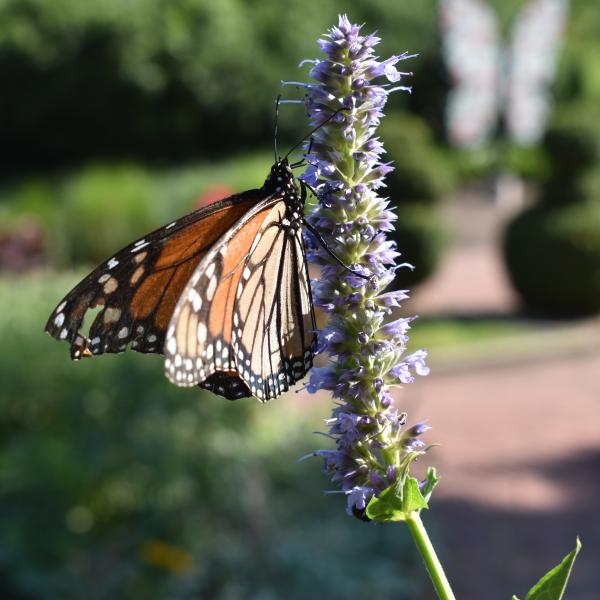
(277, 352)
(137, 289)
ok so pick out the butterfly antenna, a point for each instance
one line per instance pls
(277, 103)
(311, 133)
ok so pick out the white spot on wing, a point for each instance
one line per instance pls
(112, 263)
(139, 245)
(195, 299)
(211, 288)
(111, 315)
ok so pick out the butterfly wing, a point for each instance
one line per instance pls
(137, 290)
(245, 323)
(533, 52)
(472, 52)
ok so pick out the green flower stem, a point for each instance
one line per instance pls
(434, 567)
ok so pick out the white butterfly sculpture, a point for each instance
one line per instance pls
(489, 79)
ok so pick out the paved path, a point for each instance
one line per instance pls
(520, 460)
(520, 441)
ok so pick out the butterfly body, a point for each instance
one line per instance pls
(223, 293)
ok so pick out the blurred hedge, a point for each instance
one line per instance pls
(552, 250)
(116, 484)
(421, 176)
(553, 257)
(89, 214)
(166, 79)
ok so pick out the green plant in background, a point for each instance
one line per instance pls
(160, 80)
(115, 484)
(89, 212)
(100, 205)
(552, 250)
(421, 176)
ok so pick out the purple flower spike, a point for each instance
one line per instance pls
(366, 353)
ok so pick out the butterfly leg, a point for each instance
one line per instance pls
(303, 187)
(331, 253)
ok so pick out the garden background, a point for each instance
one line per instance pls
(119, 116)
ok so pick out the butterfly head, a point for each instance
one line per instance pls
(281, 178)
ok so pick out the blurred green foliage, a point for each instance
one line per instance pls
(166, 80)
(572, 144)
(420, 177)
(94, 211)
(552, 250)
(173, 80)
(553, 257)
(421, 237)
(422, 171)
(116, 484)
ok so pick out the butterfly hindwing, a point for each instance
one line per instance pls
(199, 336)
(137, 289)
(533, 51)
(273, 319)
(245, 325)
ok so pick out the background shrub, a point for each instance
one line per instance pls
(420, 177)
(422, 173)
(421, 238)
(553, 257)
(165, 80)
(116, 484)
(552, 250)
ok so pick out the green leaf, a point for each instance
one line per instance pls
(552, 585)
(387, 506)
(397, 502)
(514, 598)
(412, 498)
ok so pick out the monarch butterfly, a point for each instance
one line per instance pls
(223, 293)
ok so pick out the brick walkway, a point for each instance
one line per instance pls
(520, 442)
(520, 460)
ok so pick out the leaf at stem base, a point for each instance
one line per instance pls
(553, 584)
